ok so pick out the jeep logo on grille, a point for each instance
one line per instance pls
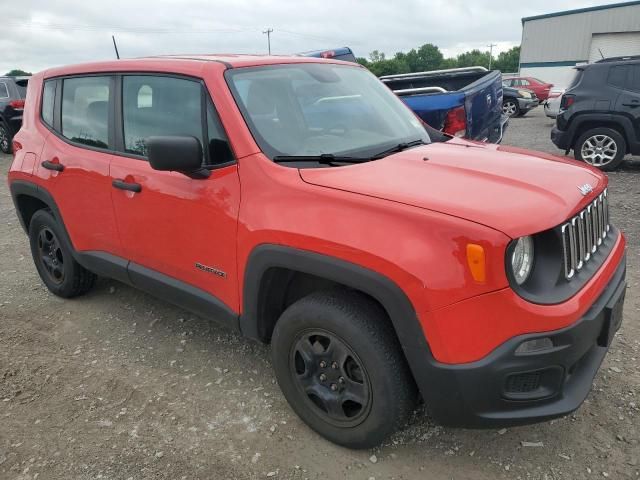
(585, 189)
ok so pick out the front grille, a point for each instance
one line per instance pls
(583, 235)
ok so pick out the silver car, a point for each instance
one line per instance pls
(552, 103)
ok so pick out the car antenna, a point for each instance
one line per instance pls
(601, 54)
(115, 46)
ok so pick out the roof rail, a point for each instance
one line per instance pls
(434, 72)
(619, 59)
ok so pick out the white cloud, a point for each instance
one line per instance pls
(38, 34)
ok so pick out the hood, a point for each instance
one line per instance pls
(515, 191)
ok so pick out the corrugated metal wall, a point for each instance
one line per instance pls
(568, 37)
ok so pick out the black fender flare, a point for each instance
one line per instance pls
(392, 298)
(627, 125)
(30, 189)
(266, 256)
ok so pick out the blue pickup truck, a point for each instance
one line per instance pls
(464, 102)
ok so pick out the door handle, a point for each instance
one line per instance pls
(52, 166)
(633, 104)
(122, 185)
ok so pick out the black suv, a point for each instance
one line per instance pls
(600, 113)
(13, 91)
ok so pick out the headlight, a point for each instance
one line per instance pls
(522, 259)
(524, 94)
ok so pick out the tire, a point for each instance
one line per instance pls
(368, 393)
(5, 139)
(510, 107)
(602, 147)
(54, 261)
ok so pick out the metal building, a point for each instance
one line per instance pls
(554, 43)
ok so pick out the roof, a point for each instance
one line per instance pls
(184, 63)
(233, 60)
(581, 10)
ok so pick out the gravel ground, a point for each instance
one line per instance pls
(120, 385)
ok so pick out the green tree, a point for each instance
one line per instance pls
(449, 63)
(509, 61)
(473, 58)
(377, 56)
(17, 73)
(388, 67)
(427, 57)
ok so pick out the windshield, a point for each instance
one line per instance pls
(308, 109)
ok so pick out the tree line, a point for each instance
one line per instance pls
(17, 73)
(429, 57)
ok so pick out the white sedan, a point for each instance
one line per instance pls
(552, 103)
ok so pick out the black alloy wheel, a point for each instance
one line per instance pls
(330, 374)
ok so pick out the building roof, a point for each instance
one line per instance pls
(581, 10)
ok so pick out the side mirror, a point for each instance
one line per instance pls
(177, 154)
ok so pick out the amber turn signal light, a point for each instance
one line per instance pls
(476, 262)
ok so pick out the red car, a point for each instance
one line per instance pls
(299, 202)
(540, 88)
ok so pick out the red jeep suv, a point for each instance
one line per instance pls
(299, 202)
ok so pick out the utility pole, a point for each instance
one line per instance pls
(491, 45)
(115, 46)
(268, 32)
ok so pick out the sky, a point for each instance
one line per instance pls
(38, 34)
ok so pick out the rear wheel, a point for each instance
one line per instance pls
(62, 275)
(341, 369)
(510, 107)
(5, 139)
(604, 148)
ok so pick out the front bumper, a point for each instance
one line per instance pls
(508, 388)
(527, 104)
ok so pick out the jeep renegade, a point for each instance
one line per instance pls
(299, 202)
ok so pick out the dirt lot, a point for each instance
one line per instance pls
(120, 385)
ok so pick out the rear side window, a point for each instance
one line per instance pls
(618, 76)
(4, 91)
(159, 106)
(85, 110)
(48, 97)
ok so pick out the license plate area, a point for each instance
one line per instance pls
(613, 316)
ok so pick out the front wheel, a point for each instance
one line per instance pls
(604, 148)
(510, 107)
(341, 368)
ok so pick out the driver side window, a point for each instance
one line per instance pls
(159, 106)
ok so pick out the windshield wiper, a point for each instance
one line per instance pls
(398, 148)
(325, 158)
